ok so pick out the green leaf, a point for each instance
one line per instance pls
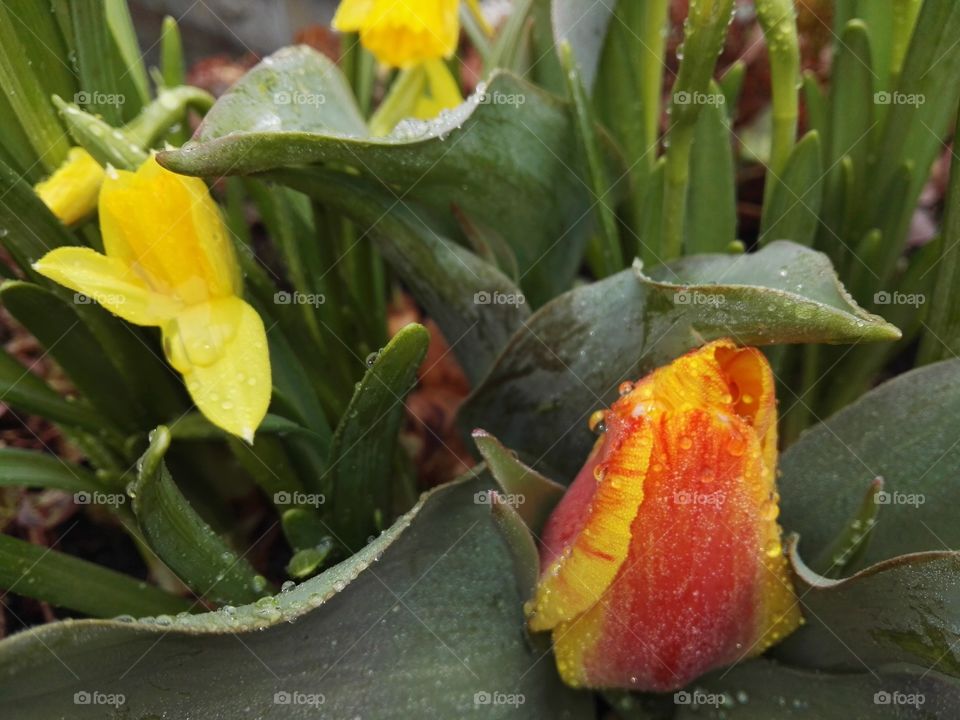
(58, 327)
(28, 468)
(69, 582)
(172, 64)
(360, 477)
(23, 391)
(604, 250)
(430, 608)
(533, 495)
(711, 199)
(903, 431)
(476, 306)
(28, 230)
(28, 96)
(906, 609)
(182, 539)
(504, 157)
(765, 690)
(107, 144)
(569, 358)
(112, 76)
(791, 210)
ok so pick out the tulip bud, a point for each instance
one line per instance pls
(664, 558)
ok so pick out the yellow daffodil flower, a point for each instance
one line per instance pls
(405, 33)
(71, 192)
(402, 33)
(169, 263)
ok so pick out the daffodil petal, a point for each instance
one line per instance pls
(220, 348)
(71, 192)
(169, 227)
(351, 14)
(442, 91)
(109, 282)
(404, 33)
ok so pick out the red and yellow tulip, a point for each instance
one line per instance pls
(169, 263)
(664, 559)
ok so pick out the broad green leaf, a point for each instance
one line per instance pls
(504, 157)
(69, 582)
(476, 306)
(67, 339)
(569, 358)
(530, 493)
(430, 609)
(906, 609)
(764, 690)
(28, 468)
(903, 431)
(711, 199)
(360, 480)
(791, 210)
(182, 539)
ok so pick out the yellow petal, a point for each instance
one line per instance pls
(220, 348)
(351, 14)
(71, 192)
(108, 282)
(404, 33)
(169, 228)
(442, 91)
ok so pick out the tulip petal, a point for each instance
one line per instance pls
(220, 348)
(168, 227)
(109, 282)
(698, 576)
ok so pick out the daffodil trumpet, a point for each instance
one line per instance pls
(664, 559)
(169, 263)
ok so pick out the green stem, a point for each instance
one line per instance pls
(704, 34)
(778, 20)
(653, 32)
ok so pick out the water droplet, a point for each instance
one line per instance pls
(686, 443)
(372, 358)
(625, 387)
(596, 422)
(288, 586)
